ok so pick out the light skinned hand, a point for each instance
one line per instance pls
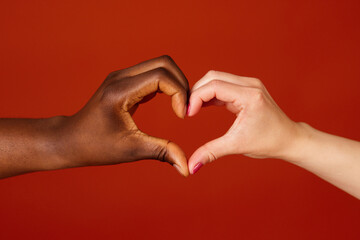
(261, 129)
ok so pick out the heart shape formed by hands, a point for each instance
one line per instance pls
(103, 132)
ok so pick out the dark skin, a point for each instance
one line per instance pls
(103, 131)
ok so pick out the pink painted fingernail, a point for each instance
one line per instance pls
(197, 167)
(188, 110)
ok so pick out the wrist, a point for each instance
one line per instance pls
(56, 143)
(299, 143)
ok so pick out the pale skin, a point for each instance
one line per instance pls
(262, 130)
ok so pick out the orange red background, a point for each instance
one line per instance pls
(55, 54)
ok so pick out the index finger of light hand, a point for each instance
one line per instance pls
(221, 90)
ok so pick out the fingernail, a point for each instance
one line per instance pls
(177, 168)
(197, 167)
(188, 110)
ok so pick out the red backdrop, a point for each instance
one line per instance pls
(54, 55)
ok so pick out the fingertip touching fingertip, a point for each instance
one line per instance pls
(188, 110)
(184, 173)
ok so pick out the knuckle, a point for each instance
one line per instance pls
(161, 152)
(257, 82)
(258, 96)
(160, 73)
(166, 59)
(113, 74)
(215, 83)
(112, 92)
(212, 74)
(211, 156)
(109, 92)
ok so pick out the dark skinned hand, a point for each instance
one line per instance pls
(103, 132)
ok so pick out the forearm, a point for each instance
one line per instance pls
(28, 145)
(333, 158)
